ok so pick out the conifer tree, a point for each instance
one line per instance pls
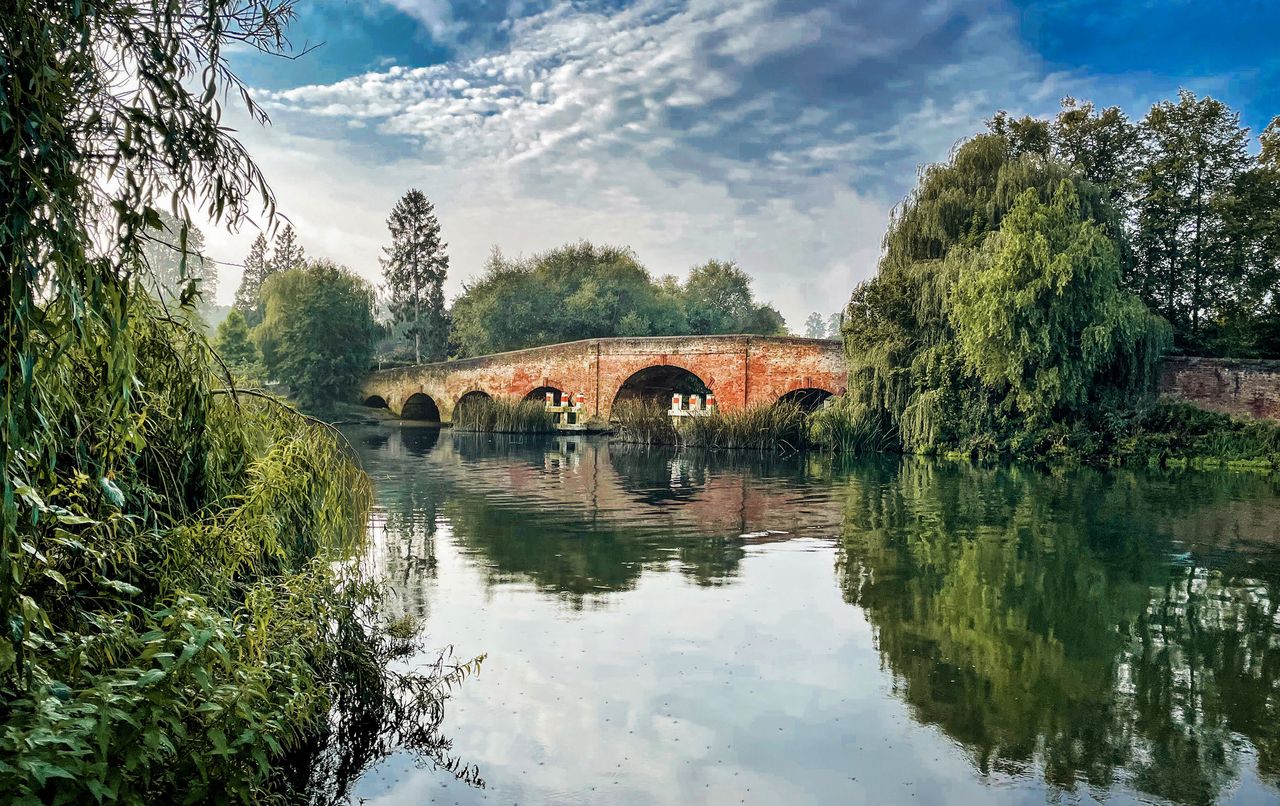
(249, 295)
(288, 252)
(414, 267)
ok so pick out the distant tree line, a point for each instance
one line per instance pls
(1199, 213)
(583, 290)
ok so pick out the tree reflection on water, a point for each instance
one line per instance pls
(1049, 622)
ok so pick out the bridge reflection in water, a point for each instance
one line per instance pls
(1112, 635)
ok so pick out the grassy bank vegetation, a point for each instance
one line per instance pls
(504, 416)
(186, 618)
(182, 616)
(1166, 433)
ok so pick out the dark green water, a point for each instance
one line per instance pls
(691, 628)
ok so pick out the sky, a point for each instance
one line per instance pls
(776, 133)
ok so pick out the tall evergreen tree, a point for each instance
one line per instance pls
(287, 253)
(249, 295)
(1192, 150)
(414, 268)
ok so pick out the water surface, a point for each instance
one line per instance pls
(667, 627)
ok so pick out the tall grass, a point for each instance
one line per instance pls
(643, 422)
(845, 426)
(780, 426)
(504, 416)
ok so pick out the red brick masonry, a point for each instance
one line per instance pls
(740, 370)
(1243, 387)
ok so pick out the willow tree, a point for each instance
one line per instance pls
(906, 366)
(1038, 310)
(171, 622)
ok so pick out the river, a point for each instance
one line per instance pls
(664, 627)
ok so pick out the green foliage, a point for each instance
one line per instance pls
(944, 250)
(763, 427)
(503, 416)
(582, 291)
(319, 332)
(175, 616)
(718, 299)
(1200, 213)
(256, 269)
(172, 257)
(1038, 310)
(415, 267)
(182, 621)
(235, 346)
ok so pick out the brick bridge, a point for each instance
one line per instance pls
(739, 370)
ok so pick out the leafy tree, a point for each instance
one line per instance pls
(249, 294)
(906, 366)
(835, 324)
(815, 327)
(573, 292)
(234, 342)
(1191, 150)
(1038, 309)
(173, 257)
(414, 267)
(1024, 135)
(319, 331)
(1102, 147)
(718, 299)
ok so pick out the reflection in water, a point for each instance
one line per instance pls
(1110, 635)
(1039, 620)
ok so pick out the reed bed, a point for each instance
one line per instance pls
(780, 426)
(504, 416)
(643, 422)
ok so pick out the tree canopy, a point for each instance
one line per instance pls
(318, 332)
(414, 267)
(582, 290)
(1198, 211)
(994, 269)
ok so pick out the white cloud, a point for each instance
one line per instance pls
(690, 130)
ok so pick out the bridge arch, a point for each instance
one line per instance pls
(420, 406)
(809, 398)
(376, 402)
(470, 399)
(658, 383)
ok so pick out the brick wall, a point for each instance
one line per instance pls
(1243, 387)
